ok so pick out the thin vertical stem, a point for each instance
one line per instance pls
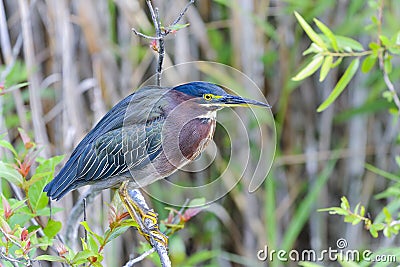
(161, 48)
(161, 34)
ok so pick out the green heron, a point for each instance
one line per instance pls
(147, 136)
(165, 129)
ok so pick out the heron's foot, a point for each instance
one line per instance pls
(146, 218)
(151, 229)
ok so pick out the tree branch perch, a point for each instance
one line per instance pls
(161, 33)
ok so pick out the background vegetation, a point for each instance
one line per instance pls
(80, 58)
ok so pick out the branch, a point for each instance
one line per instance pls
(144, 35)
(161, 49)
(176, 21)
(161, 33)
(147, 226)
(386, 78)
(132, 262)
(14, 262)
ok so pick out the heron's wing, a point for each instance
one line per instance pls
(104, 151)
(115, 118)
(114, 153)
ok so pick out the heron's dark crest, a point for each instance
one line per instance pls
(145, 137)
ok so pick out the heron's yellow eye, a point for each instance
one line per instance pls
(208, 97)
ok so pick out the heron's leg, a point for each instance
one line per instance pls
(84, 218)
(142, 214)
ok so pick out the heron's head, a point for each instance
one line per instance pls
(210, 96)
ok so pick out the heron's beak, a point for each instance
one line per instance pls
(237, 101)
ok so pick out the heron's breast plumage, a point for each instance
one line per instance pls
(195, 136)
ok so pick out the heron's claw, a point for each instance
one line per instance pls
(146, 218)
(149, 219)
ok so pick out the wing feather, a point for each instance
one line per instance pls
(110, 149)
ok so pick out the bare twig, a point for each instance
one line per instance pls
(161, 48)
(132, 262)
(144, 35)
(176, 21)
(386, 78)
(389, 84)
(161, 33)
(13, 261)
(7, 236)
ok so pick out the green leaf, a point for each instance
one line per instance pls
(8, 172)
(349, 218)
(382, 173)
(373, 231)
(99, 238)
(379, 226)
(362, 211)
(313, 49)
(178, 27)
(344, 203)
(388, 95)
(4, 225)
(397, 38)
(36, 177)
(48, 164)
(44, 173)
(387, 64)
(388, 216)
(389, 192)
(116, 232)
(386, 232)
(52, 258)
(37, 197)
(385, 41)
(130, 223)
(357, 208)
(309, 69)
(374, 46)
(328, 33)
(6, 144)
(91, 243)
(82, 256)
(335, 210)
(343, 82)
(368, 63)
(46, 211)
(394, 50)
(309, 31)
(348, 44)
(52, 228)
(326, 66)
(337, 62)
